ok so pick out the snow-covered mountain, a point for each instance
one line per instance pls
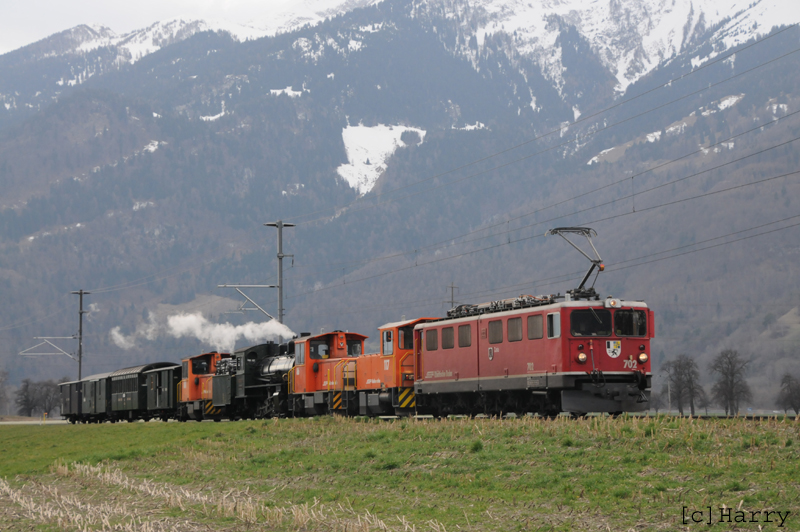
(628, 38)
(270, 20)
(631, 37)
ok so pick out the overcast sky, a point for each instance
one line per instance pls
(25, 22)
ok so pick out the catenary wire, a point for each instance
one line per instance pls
(439, 244)
(616, 266)
(542, 234)
(558, 130)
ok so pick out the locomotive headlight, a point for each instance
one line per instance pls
(581, 358)
(643, 358)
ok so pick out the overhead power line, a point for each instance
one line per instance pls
(607, 218)
(616, 266)
(449, 240)
(552, 132)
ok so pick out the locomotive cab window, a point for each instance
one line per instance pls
(496, 332)
(318, 349)
(353, 348)
(464, 336)
(448, 340)
(590, 322)
(185, 370)
(554, 325)
(201, 365)
(535, 329)
(431, 340)
(405, 338)
(388, 346)
(630, 323)
(300, 353)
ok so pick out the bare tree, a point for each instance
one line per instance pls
(41, 396)
(3, 390)
(731, 389)
(683, 377)
(703, 400)
(25, 398)
(789, 396)
(47, 395)
(657, 401)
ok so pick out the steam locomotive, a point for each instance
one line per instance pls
(548, 354)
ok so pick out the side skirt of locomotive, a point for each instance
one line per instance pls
(546, 394)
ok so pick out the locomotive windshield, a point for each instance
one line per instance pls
(630, 323)
(353, 348)
(591, 322)
(201, 365)
(318, 349)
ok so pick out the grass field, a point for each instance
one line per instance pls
(346, 474)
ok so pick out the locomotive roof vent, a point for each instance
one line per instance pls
(302, 334)
(597, 263)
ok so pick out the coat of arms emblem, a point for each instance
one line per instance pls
(613, 348)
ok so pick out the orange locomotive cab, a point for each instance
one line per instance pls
(324, 376)
(195, 387)
(385, 380)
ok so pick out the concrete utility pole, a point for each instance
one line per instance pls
(81, 312)
(280, 225)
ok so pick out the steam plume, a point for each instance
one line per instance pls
(219, 336)
(223, 336)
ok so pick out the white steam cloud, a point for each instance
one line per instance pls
(221, 336)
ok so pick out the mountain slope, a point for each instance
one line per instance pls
(148, 183)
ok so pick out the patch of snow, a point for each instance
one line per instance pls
(151, 147)
(156, 115)
(142, 205)
(288, 92)
(372, 28)
(576, 113)
(471, 127)
(331, 75)
(729, 101)
(368, 149)
(676, 129)
(354, 46)
(596, 158)
(655, 136)
(775, 107)
(214, 117)
(293, 189)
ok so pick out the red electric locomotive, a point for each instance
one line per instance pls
(536, 354)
